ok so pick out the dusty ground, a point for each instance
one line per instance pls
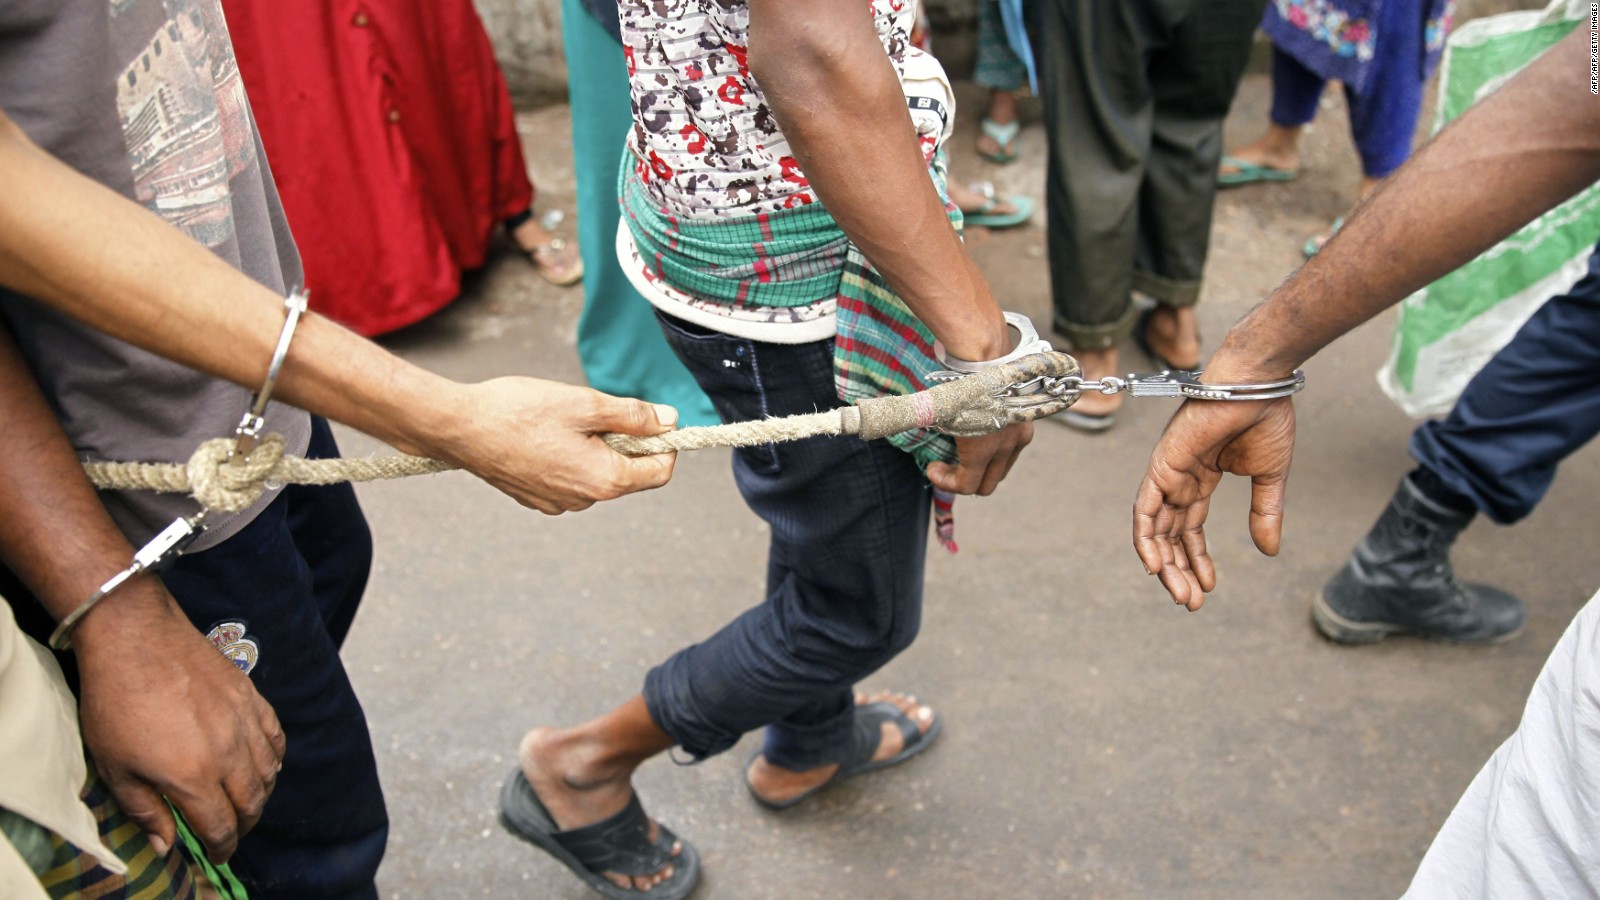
(1099, 741)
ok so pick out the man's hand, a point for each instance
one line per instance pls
(1204, 439)
(538, 441)
(164, 714)
(982, 462)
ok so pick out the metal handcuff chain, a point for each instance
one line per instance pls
(177, 537)
(1167, 383)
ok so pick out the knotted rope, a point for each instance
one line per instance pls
(976, 405)
(224, 486)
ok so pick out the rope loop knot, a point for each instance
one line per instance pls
(231, 486)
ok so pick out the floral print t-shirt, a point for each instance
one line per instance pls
(705, 144)
(704, 141)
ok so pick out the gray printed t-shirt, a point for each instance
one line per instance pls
(144, 96)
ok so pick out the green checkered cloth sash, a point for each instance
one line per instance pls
(797, 257)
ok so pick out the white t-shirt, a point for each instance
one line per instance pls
(1529, 824)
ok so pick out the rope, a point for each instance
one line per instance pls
(978, 404)
(735, 434)
(225, 487)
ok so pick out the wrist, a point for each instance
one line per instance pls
(420, 413)
(1022, 339)
(138, 604)
(1238, 362)
(990, 341)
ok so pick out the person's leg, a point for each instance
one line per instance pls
(1383, 114)
(982, 207)
(1296, 91)
(996, 65)
(619, 343)
(849, 532)
(1193, 73)
(555, 258)
(323, 831)
(849, 523)
(999, 69)
(584, 775)
(1091, 58)
(1530, 407)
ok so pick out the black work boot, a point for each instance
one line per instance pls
(1399, 581)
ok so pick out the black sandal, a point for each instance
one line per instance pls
(620, 844)
(864, 742)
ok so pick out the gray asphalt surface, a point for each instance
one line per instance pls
(1099, 741)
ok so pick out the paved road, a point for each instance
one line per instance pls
(1100, 742)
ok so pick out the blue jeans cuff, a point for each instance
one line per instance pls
(799, 749)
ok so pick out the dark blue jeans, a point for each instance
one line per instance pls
(844, 571)
(1529, 408)
(294, 577)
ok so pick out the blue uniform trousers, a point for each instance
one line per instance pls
(1536, 402)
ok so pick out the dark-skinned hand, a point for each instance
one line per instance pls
(165, 714)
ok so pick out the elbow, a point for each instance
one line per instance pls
(798, 54)
(784, 59)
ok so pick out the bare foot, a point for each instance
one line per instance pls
(577, 796)
(555, 258)
(778, 785)
(1173, 333)
(1002, 110)
(971, 202)
(1278, 149)
(1098, 364)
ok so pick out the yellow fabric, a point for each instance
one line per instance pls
(42, 768)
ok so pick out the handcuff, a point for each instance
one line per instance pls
(170, 543)
(1167, 383)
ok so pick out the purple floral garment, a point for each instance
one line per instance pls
(1335, 38)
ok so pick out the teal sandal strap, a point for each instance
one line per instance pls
(1002, 134)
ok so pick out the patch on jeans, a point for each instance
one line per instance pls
(230, 640)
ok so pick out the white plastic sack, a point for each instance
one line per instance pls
(1448, 330)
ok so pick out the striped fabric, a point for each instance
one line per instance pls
(793, 258)
(71, 873)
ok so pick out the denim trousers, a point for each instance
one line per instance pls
(294, 577)
(849, 522)
(1530, 407)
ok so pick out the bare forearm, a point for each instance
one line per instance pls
(1521, 151)
(55, 534)
(154, 287)
(840, 105)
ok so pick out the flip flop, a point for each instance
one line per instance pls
(1250, 173)
(619, 844)
(863, 743)
(986, 217)
(1318, 241)
(1005, 137)
(548, 259)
